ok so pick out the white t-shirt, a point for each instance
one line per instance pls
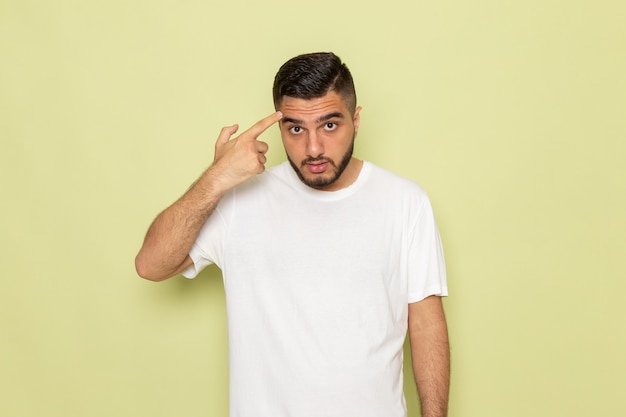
(317, 290)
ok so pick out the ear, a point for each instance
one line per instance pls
(356, 119)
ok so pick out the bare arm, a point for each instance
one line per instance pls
(165, 250)
(430, 354)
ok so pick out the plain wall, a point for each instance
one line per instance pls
(511, 114)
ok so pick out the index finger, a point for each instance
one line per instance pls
(262, 125)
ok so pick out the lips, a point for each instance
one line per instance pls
(317, 167)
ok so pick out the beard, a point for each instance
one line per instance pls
(321, 182)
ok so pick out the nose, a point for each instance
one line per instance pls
(314, 145)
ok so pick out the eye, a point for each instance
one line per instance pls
(295, 130)
(330, 126)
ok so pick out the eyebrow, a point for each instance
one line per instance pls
(329, 116)
(319, 120)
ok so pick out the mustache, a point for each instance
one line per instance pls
(319, 159)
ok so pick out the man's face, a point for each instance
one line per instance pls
(318, 135)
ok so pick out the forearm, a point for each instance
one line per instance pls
(173, 232)
(430, 353)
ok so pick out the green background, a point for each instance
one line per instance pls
(512, 114)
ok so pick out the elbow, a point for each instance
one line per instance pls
(145, 271)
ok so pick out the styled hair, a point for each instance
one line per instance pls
(314, 75)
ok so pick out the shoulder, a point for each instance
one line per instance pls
(267, 182)
(389, 182)
(403, 195)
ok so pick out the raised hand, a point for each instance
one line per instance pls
(165, 250)
(243, 157)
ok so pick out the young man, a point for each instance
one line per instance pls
(327, 260)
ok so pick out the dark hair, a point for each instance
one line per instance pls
(314, 75)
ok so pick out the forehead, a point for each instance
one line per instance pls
(303, 109)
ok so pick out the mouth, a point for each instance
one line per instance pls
(316, 166)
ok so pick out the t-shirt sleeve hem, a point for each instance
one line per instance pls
(439, 292)
(200, 261)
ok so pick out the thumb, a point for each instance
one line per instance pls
(226, 133)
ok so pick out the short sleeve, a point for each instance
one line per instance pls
(427, 269)
(208, 247)
(200, 261)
